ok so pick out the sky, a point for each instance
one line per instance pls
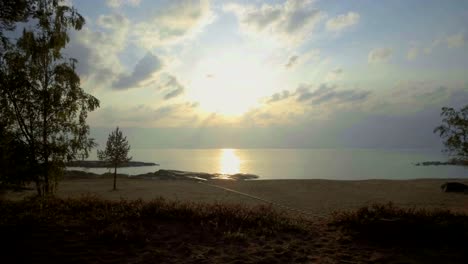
(272, 74)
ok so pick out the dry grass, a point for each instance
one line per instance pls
(93, 230)
(386, 223)
(102, 213)
(420, 235)
(53, 229)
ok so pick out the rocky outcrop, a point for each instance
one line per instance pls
(198, 176)
(164, 175)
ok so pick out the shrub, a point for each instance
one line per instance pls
(386, 223)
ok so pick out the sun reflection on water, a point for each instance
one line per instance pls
(229, 162)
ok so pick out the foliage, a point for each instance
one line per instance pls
(385, 223)
(116, 152)
(100, 214)
(454, 131)
(13, 161)
(42, 104)
(11, 12)
(92, 230)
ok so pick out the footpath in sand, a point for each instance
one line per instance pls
(313, 197)
(179, 242)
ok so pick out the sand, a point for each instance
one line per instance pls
(181, 243)
(311, 197)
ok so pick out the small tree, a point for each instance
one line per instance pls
(116, 152)
(454, 131)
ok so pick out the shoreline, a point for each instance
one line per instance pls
(166, 175)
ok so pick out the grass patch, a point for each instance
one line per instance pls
(118, 219)
(90, 229)
(387, 224)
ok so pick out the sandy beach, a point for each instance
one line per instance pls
(311, 197)
(312, 200)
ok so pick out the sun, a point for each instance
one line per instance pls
(230, 83)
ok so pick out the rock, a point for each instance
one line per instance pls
(243, 176)
(454, 187)
(195, 176)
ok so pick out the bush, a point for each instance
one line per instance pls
(386, 223)
(122, 220)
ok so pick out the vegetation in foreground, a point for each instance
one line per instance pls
(437, 236)
(91, 230)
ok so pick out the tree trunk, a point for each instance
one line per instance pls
(38, 186)
(115, 177)
(46, 178)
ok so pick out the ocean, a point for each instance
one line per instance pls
(333, 164)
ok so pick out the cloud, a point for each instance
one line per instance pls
(278, 96)
(114, 21)
(173, 85)
(257, 18)
(455, 41)
(410, 96)
(178, 91)
(292, 61)
(327, 93)
(324, 93)
(342, 22)
(452, 41)
(118, 3)
(173, 23)
(413, 52)
(334, 74)
(304, 57)
(435, 43)
(380, 55)
(170, 115)
(291, 22)
(143, 71)
(97, 50)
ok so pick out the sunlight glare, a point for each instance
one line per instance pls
(231, 83)
(229, 162)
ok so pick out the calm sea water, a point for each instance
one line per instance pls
(337, 164)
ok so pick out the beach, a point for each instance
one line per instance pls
(311, 197)
(184, 240)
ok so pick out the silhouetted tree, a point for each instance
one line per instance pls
(42, 102)
(13, 159)
(116, 152)
(11, 12)
(454, 131)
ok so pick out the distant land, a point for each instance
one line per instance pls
(103, 164)
(457, 162)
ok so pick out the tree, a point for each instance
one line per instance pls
(116, 152)
(42, 103)
(454, 131)
(13, 161)
(11, 12)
